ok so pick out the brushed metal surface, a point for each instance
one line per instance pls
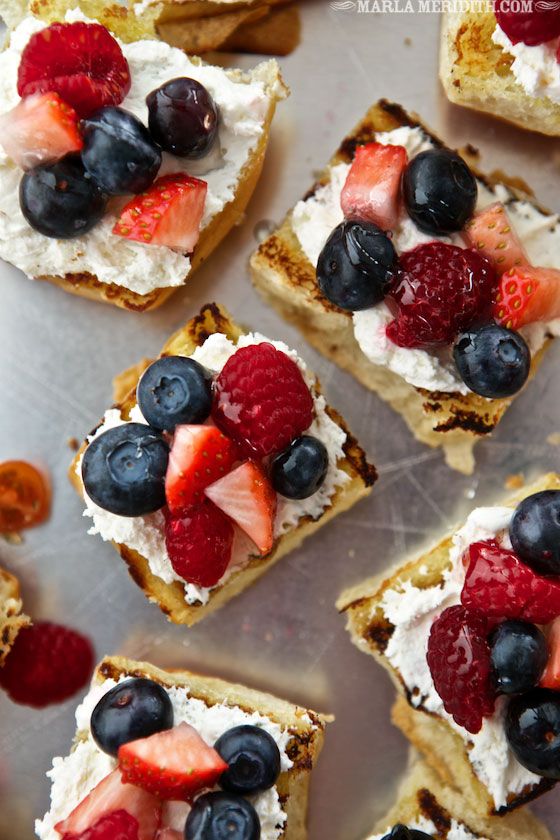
(58, 355)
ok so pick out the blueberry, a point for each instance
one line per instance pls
(183, 118)
(60, 199)
(535, 532)
(492, 360)
(401, 832)
(173, 391)
(222, 816)
(356, 266)
(123, 470)
(300, 470)
(253, 758)
(532, 728)
(136, 708)
(119, 152)
(519, 656)
(439, 191)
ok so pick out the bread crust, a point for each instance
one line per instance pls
(12, 618)
(170, 597)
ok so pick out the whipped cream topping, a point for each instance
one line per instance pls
(314, 219)
(412, 611)
(145, 534)
(535, 68)
(457, 830)
(243, 104)
(74, 776)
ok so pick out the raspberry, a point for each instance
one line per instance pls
(80, 61)
(199, 543)
(532, 28)
(498, 584)
(48, 663)
(438, 291)
(262, 401)
(459, 660)
(119, 825)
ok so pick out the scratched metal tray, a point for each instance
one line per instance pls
(57, 358)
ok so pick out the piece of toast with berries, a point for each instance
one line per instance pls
(164, 750)
(120, 175)
(12, 617)
(250, 462)
(420, 299)
(469, 633)
(478, 71)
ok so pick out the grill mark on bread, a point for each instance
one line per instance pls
(433, 811)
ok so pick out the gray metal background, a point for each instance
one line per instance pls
(58, 354)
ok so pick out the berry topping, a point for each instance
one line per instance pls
(218, 815)
(108, 796)
(499, 585)
(136, 708)
(493, 361)
(199, 543)
(551, 676)
(491, 233)
(173, 391)
(80, 61)
(175, 764)
(60, 200)
(199, 456)
(439, 290)
(535, 532)
(40, 129)
(119, 152)
(534, 27)
(372, 192)
(253, 760)
(25, 497)
(533, 731)
(401, 832)
(248, 498)
(439, 191)
(459, 661)
(526, 294)
(48, 663)
(518, 657)
(169, 213)
(262, 401)
(300, 470)
(169, 834)
(124, 468)
(356, 266)
(118, 825)
(183, 118)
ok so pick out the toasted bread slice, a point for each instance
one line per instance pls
(285, 277)
(12, 619)
(476, 72)
(305, 728)
(171, 597)
(371, 631)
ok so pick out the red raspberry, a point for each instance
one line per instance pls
(532, 28)
(438, 291)
(498, 584)
(48, 663)
(80, 61)
(199, 543)
(119, 825)
(459, 660)
(262, 400)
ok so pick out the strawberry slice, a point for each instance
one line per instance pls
(551, 676)
(39, 129)
(373, 187)
(175, 764)
(491, 233)
(199, 456)
(116, 826)
(247, 496)
(108, 796)
(527, 294)
(169, 213)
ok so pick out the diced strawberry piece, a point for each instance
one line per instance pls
(527, 294)
(116, 826)
(175, 764)
(112, 795)
(373, 187)
(247, 496)
(491, 233)
(39, 129)
(551, 676)
(199, 542)
(169, 213)
(199, 456)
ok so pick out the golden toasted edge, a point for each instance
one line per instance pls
(12, 618)
(170, 597)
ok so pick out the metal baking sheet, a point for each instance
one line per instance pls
(59, 353)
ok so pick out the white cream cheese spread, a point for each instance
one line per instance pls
(535, 68)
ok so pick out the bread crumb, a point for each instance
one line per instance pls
(514, 482)
(73, 443)
(554, 439)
